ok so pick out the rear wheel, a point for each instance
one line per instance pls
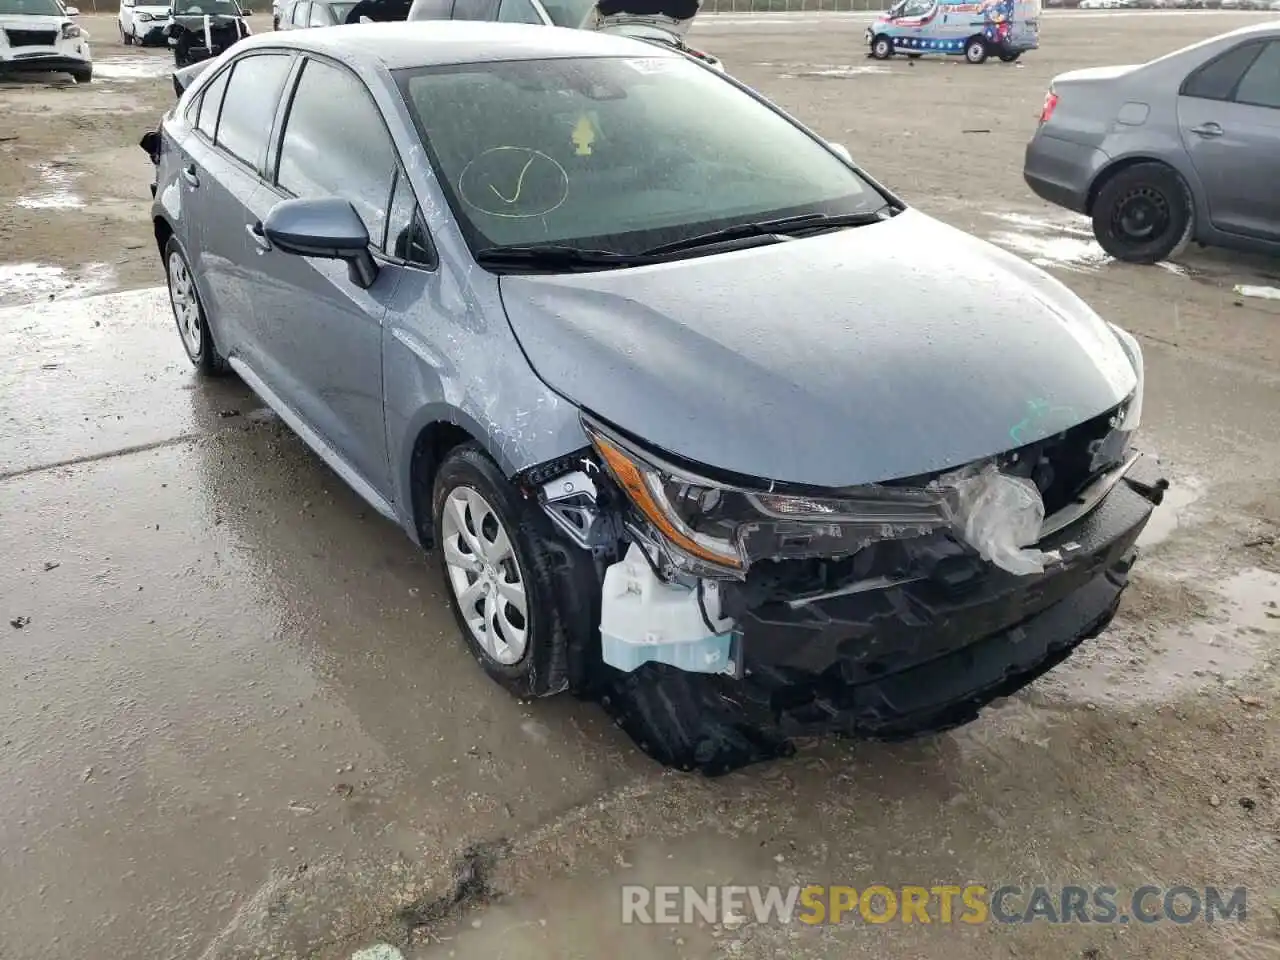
(1143, 214)
(975, 51)
(882, 47)
(83, 74)
(1008, 56)
(188, 312)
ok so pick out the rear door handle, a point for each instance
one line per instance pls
(189, 174)
(1210, 129)
(254, 230)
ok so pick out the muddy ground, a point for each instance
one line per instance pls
(236, 718)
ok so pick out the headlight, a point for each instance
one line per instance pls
(1133, 412)
(716, 529)
(70, 31)
(143, 17)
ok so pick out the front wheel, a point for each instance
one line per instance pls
(882, 47)
(125, 38)
(83, 74)
(497, 565)
(975, 51)
(1143, 214)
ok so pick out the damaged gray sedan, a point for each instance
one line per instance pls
(701, 421)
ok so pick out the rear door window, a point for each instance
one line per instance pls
(249, 105)
(431, 10)
(1217, 79)
(1260, 85)
(319, 16)
(475, 9)
(355, 159)
(301, 13)
(517, 11)
(210, 104)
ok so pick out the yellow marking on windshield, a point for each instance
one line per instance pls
(584, 135)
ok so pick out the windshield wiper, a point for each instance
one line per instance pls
(783, 226)
(552, 256)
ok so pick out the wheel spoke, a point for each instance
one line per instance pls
(497, 549)
(457, 559)
(513, 593)
(459, 503)
(468, 598)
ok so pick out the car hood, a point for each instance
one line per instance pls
(26, 21)
(158, 10)
(623, 16)
(867, 354)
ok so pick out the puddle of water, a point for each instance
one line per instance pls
(1168, 516)
(55, 190)
(1065, 240)
(129, 69)
(1244, 627)
(32, 282)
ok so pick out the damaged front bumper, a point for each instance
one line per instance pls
(926, 654)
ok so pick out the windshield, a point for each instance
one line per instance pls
(616, 153)
(568, 13)
(34, 8)
(187, 8)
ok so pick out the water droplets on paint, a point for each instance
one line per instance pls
(55, 191)
(32, 282)
(129, 69)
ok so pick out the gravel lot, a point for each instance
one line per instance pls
(237, 721)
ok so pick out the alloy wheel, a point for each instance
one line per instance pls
(484, 574)
(186, 308)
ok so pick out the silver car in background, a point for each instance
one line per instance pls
(664, 22)
(1186, 147)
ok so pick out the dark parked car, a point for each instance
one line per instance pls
(1186, 147)
(655, 371)
(203, 29)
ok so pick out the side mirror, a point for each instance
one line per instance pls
(73, 11)
(329, 228)
(841, 151)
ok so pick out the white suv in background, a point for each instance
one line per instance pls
(142, 21)
(41, 36)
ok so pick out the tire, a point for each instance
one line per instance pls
(83, 74)
(1143, 214)
(975, 50)
(125, 38)
(479, 516)
(188, 313)
(882, 47)
(1009, 56)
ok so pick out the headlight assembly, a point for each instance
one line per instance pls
(1133, 412)
(715, 529)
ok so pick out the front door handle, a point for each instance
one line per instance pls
(1209, 129)
(189, 174)
(254, 230)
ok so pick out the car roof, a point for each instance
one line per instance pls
(402, 44)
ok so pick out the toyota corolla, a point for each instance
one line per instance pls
(699, 418)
